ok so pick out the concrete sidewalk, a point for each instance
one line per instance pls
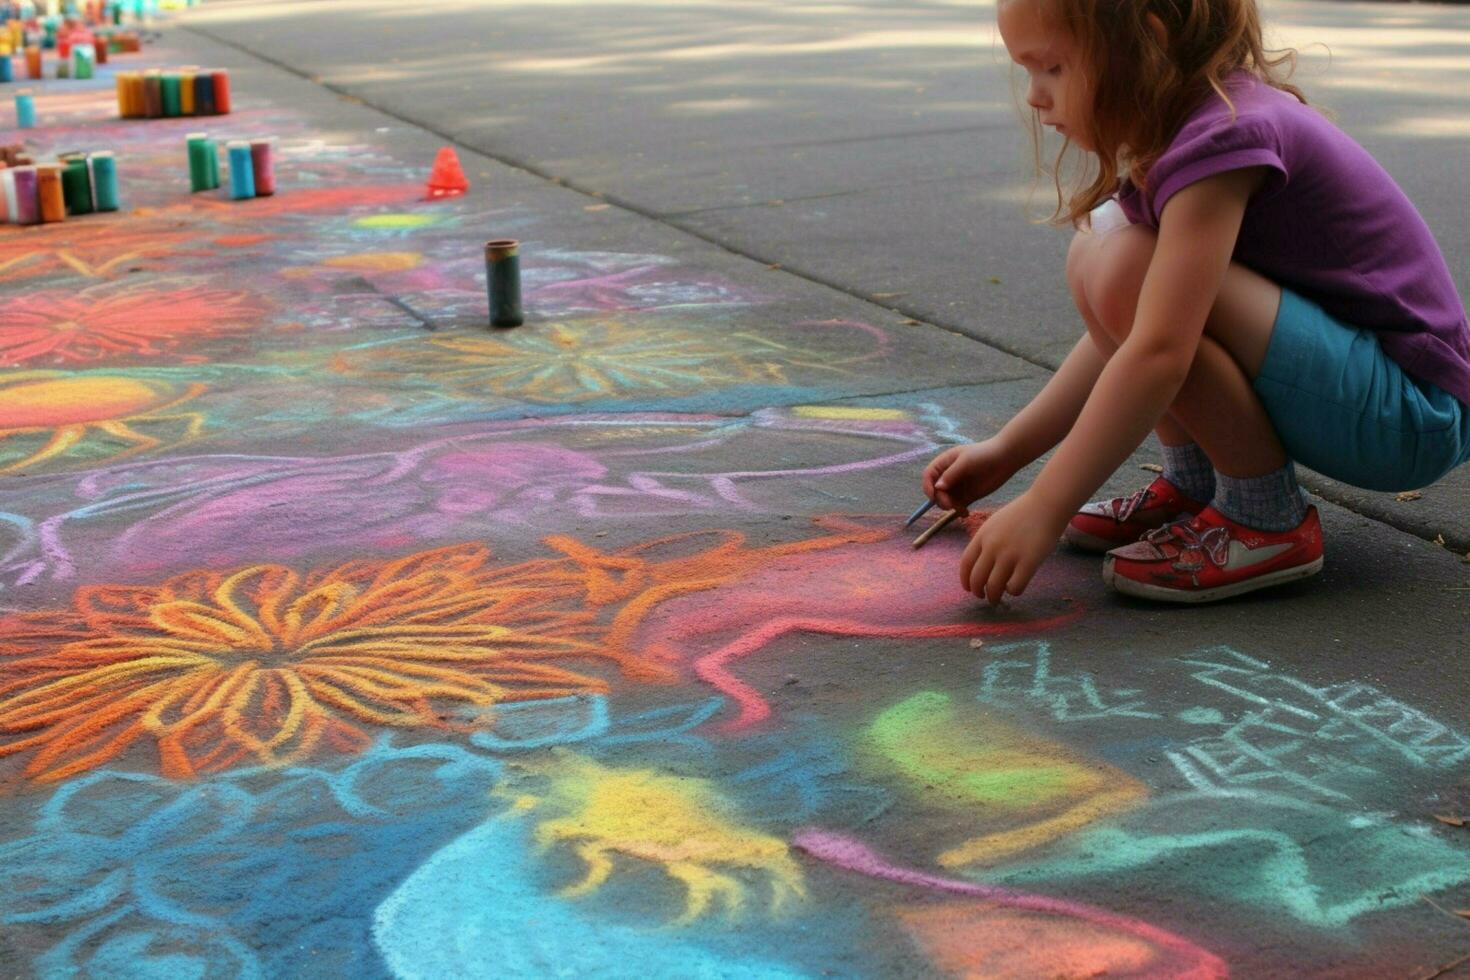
(870, 147)
(344, 636)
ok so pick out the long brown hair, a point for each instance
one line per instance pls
(1141, 91)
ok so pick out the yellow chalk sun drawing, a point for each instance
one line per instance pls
(578, 361)
(682, 824)
(48, 414)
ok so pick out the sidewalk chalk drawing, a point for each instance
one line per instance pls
(1010, 776)
(96, 418)
(61, 327)
(270, 665)
(219, 510)
(340, 635)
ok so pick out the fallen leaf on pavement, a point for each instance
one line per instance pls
(1407, 496)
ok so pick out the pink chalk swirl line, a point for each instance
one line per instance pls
(712, 667)
(853, 855)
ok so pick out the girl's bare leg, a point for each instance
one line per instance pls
(1216, 406)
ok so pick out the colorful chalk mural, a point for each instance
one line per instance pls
(342, 636)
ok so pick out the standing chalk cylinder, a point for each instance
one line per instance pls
(104, 180)
(242, 170)
(84, 57)
(25, 111)
(7, 191)
(204, 94)
(152, 93)
(48, 189)
(76, 184)
(221, 91)
(171, 97)
(138, 94)
(27, 210)
(503, 278)
(7, 72)
(263, 161)
(199, 150)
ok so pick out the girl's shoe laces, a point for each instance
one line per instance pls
(1213, 544)
(1123, 507)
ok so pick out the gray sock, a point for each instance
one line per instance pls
(1189, 469)
(1272, 502)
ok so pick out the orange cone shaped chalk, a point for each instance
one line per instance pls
(447, 178)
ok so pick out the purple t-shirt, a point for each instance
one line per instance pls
(1328, 223)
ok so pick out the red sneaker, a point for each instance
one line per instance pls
(1211, 557)
(1105, 524)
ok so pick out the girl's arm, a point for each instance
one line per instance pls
(1197, 235)
(1043, 423)
(961, 475)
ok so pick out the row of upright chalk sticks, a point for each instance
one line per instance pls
(80, 64)
(156, 94)
(80, 184)
(252, 166)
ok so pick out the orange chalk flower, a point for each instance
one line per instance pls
(266, 665)
(92, 325)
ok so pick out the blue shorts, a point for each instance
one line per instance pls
(1347, 410)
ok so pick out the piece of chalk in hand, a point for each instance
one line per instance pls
(923, 509)
(944, 521)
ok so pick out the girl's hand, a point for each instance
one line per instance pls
(961, 475)
(1009, 547)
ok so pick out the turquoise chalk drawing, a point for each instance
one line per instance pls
(1069, 697)
(1296, 734)
(529, 725)
(1245, 847)
(144, 876)
(475, 909)
(1261, 728)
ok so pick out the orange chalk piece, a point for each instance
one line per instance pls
(48, 188)
(127, 97)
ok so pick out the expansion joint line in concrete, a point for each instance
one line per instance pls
(632, 208)
(802, 199)
(1321, 490)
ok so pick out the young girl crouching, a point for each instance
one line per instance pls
(1256, 290)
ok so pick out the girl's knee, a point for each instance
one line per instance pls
(1079, 259)
(1113, 275)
